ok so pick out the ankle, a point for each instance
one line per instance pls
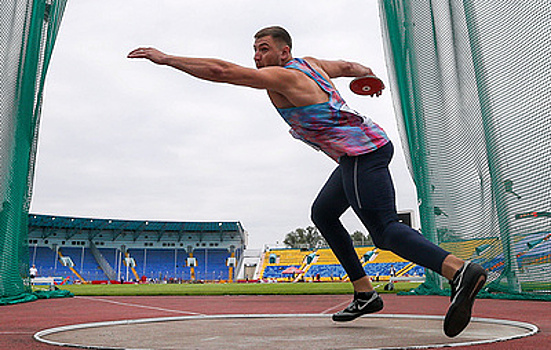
(363, 290)
(451, 266)
(364, 295)
(362, 285)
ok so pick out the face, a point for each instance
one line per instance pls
(268, 52)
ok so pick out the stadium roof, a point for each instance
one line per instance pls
(49, 222)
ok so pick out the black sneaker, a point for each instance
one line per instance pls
(465, 285)
(363, 303)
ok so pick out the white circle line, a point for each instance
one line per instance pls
(532, 329)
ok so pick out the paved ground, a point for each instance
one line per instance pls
(20, 322)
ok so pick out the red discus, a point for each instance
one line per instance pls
(367, 85)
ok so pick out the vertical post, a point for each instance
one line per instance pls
(55, 257)
(206, 262)
(82, 260)
(230, 271)
(34, 253)
(175, 262)
(144, 261)
(192, 268)
(127, 267)
(119, 265)
(398, 26)
(492, 154)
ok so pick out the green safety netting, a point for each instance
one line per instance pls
(28, 30)
(473, 99)
(471, 85)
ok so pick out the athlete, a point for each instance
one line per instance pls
(302, 92)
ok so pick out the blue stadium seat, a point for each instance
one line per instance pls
(327, 271)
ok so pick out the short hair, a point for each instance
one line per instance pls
(276, 32)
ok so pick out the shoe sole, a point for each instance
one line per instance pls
(349, 318)
(459, 313)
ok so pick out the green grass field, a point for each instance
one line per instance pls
(224, 289)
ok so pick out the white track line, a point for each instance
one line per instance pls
(141, 306)
(336, 307)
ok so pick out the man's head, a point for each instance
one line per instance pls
(272, 47)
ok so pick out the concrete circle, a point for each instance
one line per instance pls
(280, 331)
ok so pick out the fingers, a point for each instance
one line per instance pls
(378, 93)
(144, 52)
(149, 53)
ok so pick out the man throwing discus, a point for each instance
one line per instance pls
(303, 93)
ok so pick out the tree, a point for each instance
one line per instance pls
(308, 238)
(360, 239)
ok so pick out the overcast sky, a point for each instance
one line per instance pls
(126, 139)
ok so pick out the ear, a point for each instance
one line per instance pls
(285, 53)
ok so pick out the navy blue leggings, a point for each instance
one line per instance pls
(364, 183)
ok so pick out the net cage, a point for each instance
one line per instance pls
(471, 87)
(28, 30)
(472, 94)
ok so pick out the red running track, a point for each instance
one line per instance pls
(18, 323)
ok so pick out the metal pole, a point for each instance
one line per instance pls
(34, 254)
(144, 260)
(494, 158)
(175, 262)
(55, 257)
(119, 264)
(82, 260)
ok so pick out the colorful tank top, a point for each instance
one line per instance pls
(332, 126)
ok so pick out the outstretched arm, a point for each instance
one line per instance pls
(216, 70)
(341, 68)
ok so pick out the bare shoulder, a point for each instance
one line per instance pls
(314, 62)
(273, 78)
(340, 68)
(276, 71)
(280, 75)
(333, 69)
(321, 66)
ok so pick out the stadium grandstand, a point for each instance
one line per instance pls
(97, 250)
(93, 250)
(285, 264)
(321, 264)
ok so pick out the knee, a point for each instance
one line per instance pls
(388, 236)
(379, 240)
(381, 226)
(381, 233)
(316, 213)
(322, 215)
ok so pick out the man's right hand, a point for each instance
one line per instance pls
(149, 53)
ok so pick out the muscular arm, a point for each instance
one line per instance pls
(341, 68)
(216, 70)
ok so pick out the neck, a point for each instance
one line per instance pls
(287, 61)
